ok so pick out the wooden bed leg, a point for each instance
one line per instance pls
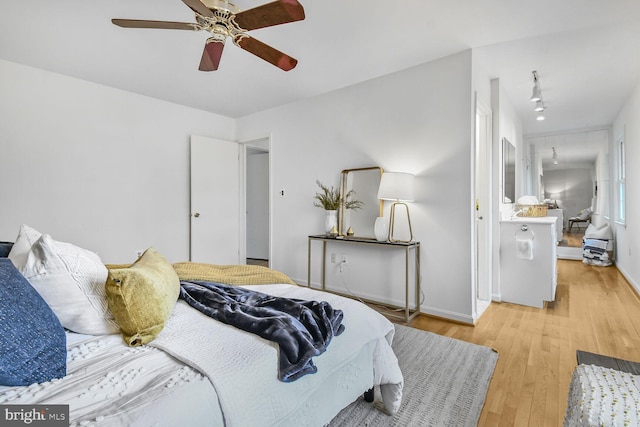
(368, 395)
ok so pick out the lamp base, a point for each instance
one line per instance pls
(405, 234)
(381, 229)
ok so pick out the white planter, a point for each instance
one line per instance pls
(331, 221)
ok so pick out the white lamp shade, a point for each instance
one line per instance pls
(398, 186)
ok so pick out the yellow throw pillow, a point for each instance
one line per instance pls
(142, 296)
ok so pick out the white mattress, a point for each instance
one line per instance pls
(111, 384)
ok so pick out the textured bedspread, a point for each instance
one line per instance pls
(256, 396)
(230, 274)
(109, 384)
(302, 329)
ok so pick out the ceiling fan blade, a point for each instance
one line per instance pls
(135, 23)
(198, 6)
(266, 52)
(211, 55)
(267, 15)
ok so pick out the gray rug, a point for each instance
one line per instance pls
(445, 383)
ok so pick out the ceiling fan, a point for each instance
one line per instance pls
(223, 19)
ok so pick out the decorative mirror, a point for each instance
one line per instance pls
(364, 183)
(508, 172)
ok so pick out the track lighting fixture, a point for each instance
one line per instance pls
(536, 96)
(555, 156)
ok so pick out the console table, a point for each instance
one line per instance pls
(409, 313)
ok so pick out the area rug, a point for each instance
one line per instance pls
(445, 383)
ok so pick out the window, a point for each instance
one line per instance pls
(620, 180)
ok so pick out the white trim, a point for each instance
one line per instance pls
(620, 178)
(263, 144)
(627, 276)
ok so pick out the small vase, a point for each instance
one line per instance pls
(381, 229)
(330, 221)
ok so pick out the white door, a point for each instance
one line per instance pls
(215, 201)
(482, 191)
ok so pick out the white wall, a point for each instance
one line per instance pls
(575, 188)
(603, 202)
(101, 168)
(627, 250)
(417, 120)
(506, 124)
(115, 177)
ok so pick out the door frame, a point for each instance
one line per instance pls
(482, 191)
(263, 143)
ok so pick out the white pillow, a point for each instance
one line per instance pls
(27, 236)
(602, 233)
(585, 213)
(72, 281)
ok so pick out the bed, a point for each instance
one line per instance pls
(182, 367)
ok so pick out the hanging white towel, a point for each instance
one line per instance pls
(524, 247)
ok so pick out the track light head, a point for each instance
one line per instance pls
(535, 94)
(539, 106)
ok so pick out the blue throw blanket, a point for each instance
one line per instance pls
(302, 329)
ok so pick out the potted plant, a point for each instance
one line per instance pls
(330, 199)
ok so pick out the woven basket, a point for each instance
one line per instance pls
(531, 210)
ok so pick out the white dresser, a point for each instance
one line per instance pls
(528, 273)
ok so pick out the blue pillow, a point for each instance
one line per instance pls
(33, 343)
(5, 248)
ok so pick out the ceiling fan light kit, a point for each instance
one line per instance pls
(224, 20)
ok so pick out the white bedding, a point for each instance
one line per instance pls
(222, 352)
(110, 384)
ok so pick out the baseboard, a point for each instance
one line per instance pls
(572, 253)
(447, 315)
(631, 282)
(429, 311)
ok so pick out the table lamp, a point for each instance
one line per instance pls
(399, 188)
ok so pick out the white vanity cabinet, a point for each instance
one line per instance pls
(559, 223)
(528, 273)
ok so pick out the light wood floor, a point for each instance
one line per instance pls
(595, 310)
(573, 239)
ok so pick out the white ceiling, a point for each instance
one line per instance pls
(585, 51)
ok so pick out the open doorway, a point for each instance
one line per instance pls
(257, 202)
(573, 176)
